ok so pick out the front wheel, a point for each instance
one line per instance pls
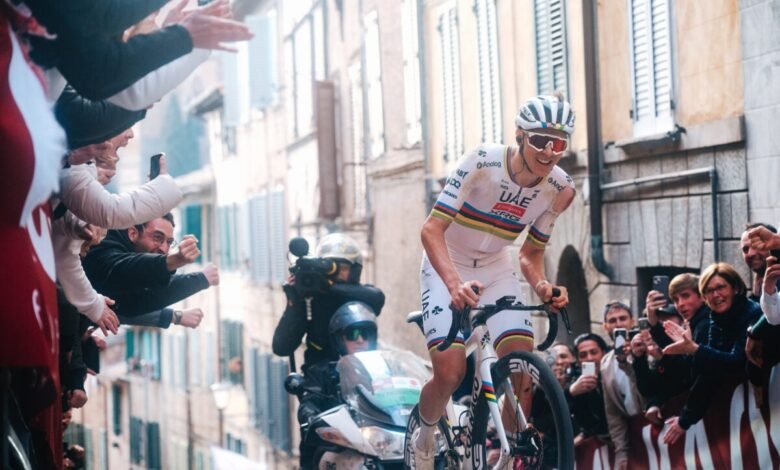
(447, 455)
(548, 441)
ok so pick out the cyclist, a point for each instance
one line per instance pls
(494, 194)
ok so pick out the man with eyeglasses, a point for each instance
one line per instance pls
(492, 196)
(137, 268)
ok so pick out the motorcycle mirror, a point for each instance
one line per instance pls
(299, 247)
(294, 384)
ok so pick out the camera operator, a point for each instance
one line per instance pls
(324, 299)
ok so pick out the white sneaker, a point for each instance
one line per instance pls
(421, 459)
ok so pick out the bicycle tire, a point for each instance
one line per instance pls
(448, 460)
(543, 377)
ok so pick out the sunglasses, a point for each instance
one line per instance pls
(539, 142)
(353, 334)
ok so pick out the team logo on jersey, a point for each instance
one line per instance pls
(511, 205)
(555, 184)
(481, 165)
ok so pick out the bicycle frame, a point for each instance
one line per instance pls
(481, 344)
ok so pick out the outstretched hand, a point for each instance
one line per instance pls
(681, 335)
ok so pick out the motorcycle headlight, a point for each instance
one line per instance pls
(388, 445)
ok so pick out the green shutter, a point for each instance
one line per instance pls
(129, 344)
(116, 399)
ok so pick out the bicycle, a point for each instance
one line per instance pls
(463, 437)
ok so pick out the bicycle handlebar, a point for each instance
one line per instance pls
(460, 318)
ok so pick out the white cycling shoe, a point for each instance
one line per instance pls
(421, 459)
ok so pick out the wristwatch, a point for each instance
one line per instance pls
(177, 317)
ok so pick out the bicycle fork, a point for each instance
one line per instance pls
(488, 357)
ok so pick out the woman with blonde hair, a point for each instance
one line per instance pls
(721, 358)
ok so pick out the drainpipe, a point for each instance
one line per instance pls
(595, 147)
(423, 105)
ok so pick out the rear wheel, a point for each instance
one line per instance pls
(548, 441)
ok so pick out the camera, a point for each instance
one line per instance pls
(311, 274)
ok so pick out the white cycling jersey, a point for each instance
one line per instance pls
(489, 209)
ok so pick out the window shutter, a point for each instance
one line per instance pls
(488, 72)
(284, 413)
(304, 108)
(373, 70)
(236, 88)
(358, 135)
(209, 372)
(153, 446)
(326, 150)
(266, 400)
(551, 52)
(129, 344)
(412, 93)
(252, 387)
(278, 236)
(156, 349)
(651, 66)
(193, 223)
(262, 59)
(453, 118)
(116, 405)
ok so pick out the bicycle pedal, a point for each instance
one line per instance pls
(527, 444)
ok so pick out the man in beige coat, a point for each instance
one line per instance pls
(621, 397)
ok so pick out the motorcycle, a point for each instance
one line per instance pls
(378, 390)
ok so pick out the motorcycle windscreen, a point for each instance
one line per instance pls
(383, 385)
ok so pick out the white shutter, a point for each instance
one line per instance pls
(304, 105)
(278, 237)
(264, 81)
(235, 76)
(488, 73)
(453, 117)
(651, 66)
(258, 208)
(289, 88)
(412, 103)
(551, 53)
(318, 26)
(358, 158)
(376, 123)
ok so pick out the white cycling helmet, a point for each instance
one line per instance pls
(546, 112)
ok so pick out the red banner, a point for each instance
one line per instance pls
(734, 434)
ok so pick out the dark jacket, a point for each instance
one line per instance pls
(139, 282)
(670, 377)
(590, 418)
(293, 325)
(101, 66)
(720, 358)
(88, 17)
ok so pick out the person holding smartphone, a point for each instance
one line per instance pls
(584, 394)
(621, 397)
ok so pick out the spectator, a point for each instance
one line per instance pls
(658, 377)
(136, 268)
(621, 397)
(722, 355)
(764, 240)
(755, 258)
(563, 358)
(585, 394)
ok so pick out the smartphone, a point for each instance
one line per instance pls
(621, 336)
(154, 165)
(661, 284)
(632, 332)
(644, 323)
(588, 368)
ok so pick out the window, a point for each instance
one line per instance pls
(489, 78)
(116, 404)
(453, 118)
(233, 351)
(264, 80)
(153, 457)
(136, 440)
(269, 409)
(278, 237)
(373, 69)
(142, 351)
(552, 71)
(260, 267)
(358, 149)
(210, 361)
(305, 55)
(411, 55)
(192, 224)
(235, 76)
(651, 62)
(230, 236)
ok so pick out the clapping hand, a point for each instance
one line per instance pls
(681, 335)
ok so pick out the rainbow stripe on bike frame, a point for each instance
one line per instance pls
(489, 391)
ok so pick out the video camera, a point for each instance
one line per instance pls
(311, 274)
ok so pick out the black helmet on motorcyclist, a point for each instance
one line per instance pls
(342, 249)
(352, 328)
